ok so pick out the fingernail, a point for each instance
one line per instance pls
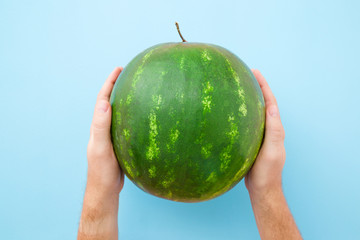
(273, 111)
(103, 106)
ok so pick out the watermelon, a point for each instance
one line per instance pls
(187, 120)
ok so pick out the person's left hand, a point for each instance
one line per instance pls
(105, 179)
(104, 173)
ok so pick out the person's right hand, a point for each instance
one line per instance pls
(265, 175)
(105, 179)
(273, 217)
(104, 173)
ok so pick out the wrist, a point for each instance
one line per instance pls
(103, 182)
(265, 194)
(100, 197)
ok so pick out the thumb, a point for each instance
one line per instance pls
(274, 130)
(100, 127)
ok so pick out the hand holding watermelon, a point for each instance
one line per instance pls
(263, 181)
(265, 174)
(103, 170)
(186, 123)
(106, 179)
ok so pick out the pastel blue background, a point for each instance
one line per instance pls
(55, 56)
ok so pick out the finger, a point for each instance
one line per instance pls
(274, 130)
(265, 88)
(106, 89)
(100, 126)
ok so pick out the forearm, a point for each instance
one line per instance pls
(99, 215)
(273, 217)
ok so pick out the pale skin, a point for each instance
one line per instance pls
(105, 178)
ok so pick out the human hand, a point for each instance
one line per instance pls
(104, 173)
(272, 214)
(105, 178)
(265, 175)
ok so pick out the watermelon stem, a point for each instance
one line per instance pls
(177, 27)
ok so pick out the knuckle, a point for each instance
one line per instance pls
(278, 134)
(274, 156)
(95, 151)
(96, 126)
(277, 155)
(100, 95)
(93, 130)
(99, 125)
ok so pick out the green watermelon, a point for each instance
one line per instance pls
(187, 120)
